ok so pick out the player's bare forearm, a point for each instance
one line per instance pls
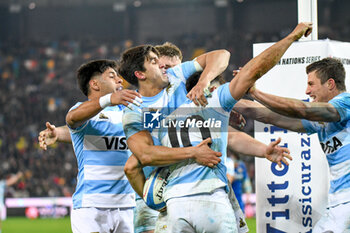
(83, 112)
(90, 108)
(214, 63)
(51, 135)
(314, 111)
(259, 112)
(262, 63)
(141, 144)
(242, 143)
(63, 134)
(14, 179)
(267, 59)
(133, 171)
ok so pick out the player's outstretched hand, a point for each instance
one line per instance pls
(197, 94)
(302, 29)
(19, 174)
(206, 156)
(127, 98)
(47, 136)
(277, 154)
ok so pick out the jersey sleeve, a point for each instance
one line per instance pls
(132, 122)
(184, 70)
(81, 127)
(311, 127)
(342, 104)
(226, 100)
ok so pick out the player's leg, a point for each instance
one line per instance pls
(144, 218)
(89, 220)
(201, 213)
(240, 218)
(162, 223)
(335, 219)
(123, 219)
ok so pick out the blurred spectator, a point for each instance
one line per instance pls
(239, 178)
(4, 183)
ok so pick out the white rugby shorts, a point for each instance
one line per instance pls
(88, 220)
(210, 213)
(335, 219)
(145, 217)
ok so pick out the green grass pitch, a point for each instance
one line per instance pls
(60, 225)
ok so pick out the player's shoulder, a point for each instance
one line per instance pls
(342, 103)
(182, 71)
(345, 96)
(76, 105)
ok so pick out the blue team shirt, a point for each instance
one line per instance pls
(186, 177)
(335, 142)
(241, 182)
(170, 97)
(101, 151)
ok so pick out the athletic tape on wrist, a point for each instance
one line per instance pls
(105, 100)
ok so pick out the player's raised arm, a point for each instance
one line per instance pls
(88, 109)
(262, 63)
(314, 111)
(259, 112)
(242, 143)
(214, 63)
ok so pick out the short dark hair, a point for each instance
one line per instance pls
(133, 60)
(169, 49)
(193, 80)
(329, 68)
(90, 69)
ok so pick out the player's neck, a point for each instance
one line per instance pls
(336, 92)
(149, 91)
(94, 95)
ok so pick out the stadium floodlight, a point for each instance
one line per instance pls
(15, 8)
(119, 6)
(221, 3)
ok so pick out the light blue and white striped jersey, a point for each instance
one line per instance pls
(101, 151)
(187, 177)
(335, 141)
(188, 126)
(169, 98)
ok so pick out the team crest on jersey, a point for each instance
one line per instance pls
(323, 124)
(241, 222)
(168, 87)
(103, 116)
